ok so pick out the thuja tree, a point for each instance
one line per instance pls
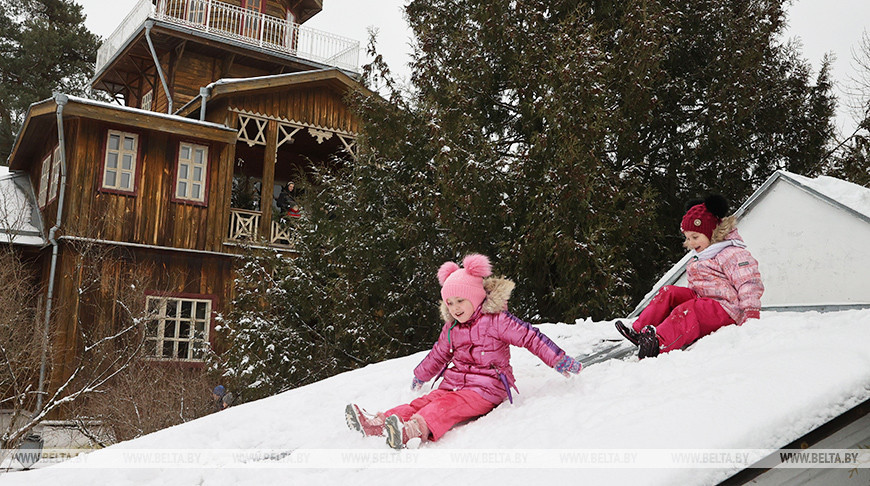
(558, 137)
(706, 96)
(606, 117)
(361, 287)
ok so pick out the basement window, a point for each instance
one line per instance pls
(178, 328)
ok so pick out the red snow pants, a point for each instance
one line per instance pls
(442, 409)
(680, 317)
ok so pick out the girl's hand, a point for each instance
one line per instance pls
(568, 366)
(416, 384)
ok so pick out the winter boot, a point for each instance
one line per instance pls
(363, 422)
(628, 333)
(406, 434)
(648, 343)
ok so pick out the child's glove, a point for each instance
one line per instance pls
(416, 384)
(568, 366)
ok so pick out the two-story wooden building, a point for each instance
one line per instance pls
(213, 99)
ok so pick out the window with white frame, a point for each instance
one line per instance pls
(147, 99)
(44, 178)
(192, 165)
(55, 174)
(177, 328)
(120, 165)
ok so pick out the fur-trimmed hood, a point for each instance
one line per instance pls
(498, 292)
(723, 229)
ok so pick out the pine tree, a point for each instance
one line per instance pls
(44, 47)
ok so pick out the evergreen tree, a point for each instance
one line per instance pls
(561, 138)
(44, 47)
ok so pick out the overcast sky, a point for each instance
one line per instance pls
(822, 26)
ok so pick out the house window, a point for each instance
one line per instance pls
(55, 174)
(177, 327)
(44, 178)
(147, 98)
(120, 165)
(196, 11)
(192, 165)
(290, 31)
(251, 25)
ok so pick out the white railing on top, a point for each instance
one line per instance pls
(240, 24)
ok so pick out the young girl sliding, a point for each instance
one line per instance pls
(724, 285)
(475, 340)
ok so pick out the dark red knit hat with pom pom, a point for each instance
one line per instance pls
(704, 216)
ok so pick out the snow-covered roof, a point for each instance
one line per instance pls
(741, 393)
(20, 222)
(139, 111)
(842, 193)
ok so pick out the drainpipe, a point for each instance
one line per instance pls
(204, 93)
(148, 25)
(61, 100)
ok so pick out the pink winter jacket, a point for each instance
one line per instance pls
(731, 277)
(479, 349)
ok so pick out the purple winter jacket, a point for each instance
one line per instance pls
(730, 277)
(479, 349)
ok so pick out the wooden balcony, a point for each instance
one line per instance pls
(245, 228)
(239, 25)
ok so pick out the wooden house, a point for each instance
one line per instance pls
(213, 99)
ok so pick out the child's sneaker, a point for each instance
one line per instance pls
(403, 434)
(362, 422)
(648, 343)
(628, 333)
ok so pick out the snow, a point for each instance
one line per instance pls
(755, 387)
(853, 196)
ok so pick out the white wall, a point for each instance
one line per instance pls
(809, 251)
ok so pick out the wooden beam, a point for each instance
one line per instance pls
(269, 160)
(149, 121)
(227, 65)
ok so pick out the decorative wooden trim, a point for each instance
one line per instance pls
(260, 137)
(285, 136)
(320, 135)
(281, 119)
(350, 145)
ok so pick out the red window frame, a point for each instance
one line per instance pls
(136, 163)
(209, 161)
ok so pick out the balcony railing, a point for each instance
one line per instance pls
(245, 227)
(239, 24)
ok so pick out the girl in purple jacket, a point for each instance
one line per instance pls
(724, 285)
(472, 354)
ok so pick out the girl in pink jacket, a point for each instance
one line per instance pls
(724, 285)
(472, 354)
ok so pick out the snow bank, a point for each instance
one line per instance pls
(759, 386)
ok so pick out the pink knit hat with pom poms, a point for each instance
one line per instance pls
(466, 282)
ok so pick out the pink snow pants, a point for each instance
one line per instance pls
(681, 318)
(442, 409)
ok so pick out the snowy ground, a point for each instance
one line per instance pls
(755, 387)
